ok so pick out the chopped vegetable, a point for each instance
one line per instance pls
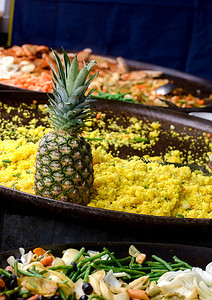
(99, 275)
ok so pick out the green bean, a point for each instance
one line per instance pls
(154, 274)
(117, 270)
(132, 262)
(80, 276)
(42, 256)
(125, 259)
(147, 268)
(131, 277)
(128, 276)
(76, 273)
(158, 270)
(29, 274)
(62, 267)
(153, 263)
(87, 273)
(10, 292)
(177, 265)
(80, 253)
(112, 257)
(82, 262)
(176, 259)
(64, 281)
(62, 295)
(135, 276)
(35, 273)
(167, 265)
(105, 262)
(8, 274)
(154, 278)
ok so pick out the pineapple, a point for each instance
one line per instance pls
(64, 163)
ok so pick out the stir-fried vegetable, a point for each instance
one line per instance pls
(82, 275)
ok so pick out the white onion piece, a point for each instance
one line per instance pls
(209, 268)
(22, 251)
(111, 280)
(11, 261)
(206, 276)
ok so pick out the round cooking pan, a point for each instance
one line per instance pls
(181, 122)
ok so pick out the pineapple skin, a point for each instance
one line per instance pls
(64, 168)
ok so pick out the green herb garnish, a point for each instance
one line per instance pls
(179, 216)
(7, 161)
(93, 139)
(17, 175)
(119, 96)
(139, 140)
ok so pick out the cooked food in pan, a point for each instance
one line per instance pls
(64, 164)
(87, 274)
(27, 67)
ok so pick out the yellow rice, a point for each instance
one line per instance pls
(125, 185)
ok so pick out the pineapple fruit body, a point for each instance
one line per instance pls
(64, 168)
(64, 164)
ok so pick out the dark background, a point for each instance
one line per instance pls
(172, 33)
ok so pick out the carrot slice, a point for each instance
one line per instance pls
(39, 251)
(46, 260)
(138, 294)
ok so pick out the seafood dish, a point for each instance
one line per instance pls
(27, 67)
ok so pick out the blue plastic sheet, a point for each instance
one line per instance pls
(172, 33)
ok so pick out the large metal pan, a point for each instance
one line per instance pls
(182, 123)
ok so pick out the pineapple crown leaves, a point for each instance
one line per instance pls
(70, 108)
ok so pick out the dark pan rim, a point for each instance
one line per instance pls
(66, 209)
(207, 108)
